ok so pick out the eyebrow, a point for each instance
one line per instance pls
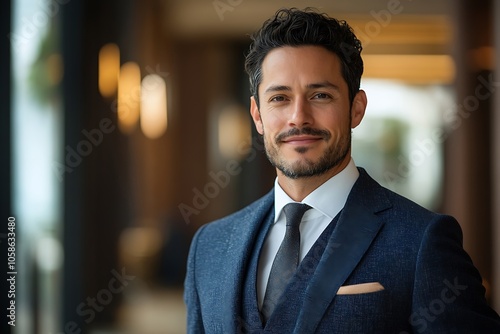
(322, 84)
(277, 88)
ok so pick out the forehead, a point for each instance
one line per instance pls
(300, 67)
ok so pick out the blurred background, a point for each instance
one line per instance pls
(125, 126)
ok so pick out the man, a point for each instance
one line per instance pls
(360, 259)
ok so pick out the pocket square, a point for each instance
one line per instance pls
(360, 288)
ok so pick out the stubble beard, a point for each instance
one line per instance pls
(332, 156)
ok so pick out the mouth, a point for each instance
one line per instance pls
(301, 140)
(303, 137)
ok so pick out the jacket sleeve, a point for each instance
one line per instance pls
(191, 297)
(448, 294)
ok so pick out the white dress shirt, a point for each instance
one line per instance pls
(326, 202)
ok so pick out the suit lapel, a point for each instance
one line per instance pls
(238, 251)
(358, 225)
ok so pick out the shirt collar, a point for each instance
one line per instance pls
(329, 198)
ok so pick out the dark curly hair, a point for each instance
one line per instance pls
(294, 27)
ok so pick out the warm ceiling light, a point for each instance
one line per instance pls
(153, 106)
(418, 69)
(109, 68)
(129, 96)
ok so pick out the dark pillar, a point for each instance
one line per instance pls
(72, 35)
(495, 155)
(96, 191)
(468, 174)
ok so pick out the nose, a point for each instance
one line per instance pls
(301, 114)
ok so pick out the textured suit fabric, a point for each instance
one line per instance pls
(430, 284)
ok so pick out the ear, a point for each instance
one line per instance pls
(254, 111)
(358, 108)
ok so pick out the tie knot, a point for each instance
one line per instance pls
(294, 212)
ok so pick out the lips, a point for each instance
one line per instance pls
(301, 140)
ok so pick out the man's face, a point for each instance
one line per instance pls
(305, 116)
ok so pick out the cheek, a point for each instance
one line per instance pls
(272, 125)
(334, 122)
(339, 128)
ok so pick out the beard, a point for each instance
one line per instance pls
(331, 157)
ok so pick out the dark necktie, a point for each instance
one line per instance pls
(287, 259)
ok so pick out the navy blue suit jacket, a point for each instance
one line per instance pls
(429, 282)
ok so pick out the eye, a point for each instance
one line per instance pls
(277, 98)
(321, 96)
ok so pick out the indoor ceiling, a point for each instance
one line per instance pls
(405, 19)
(385, 27)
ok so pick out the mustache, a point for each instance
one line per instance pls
(303, 131)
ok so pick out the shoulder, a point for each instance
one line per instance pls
(408, 229)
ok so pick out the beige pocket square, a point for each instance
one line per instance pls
(360, 288)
